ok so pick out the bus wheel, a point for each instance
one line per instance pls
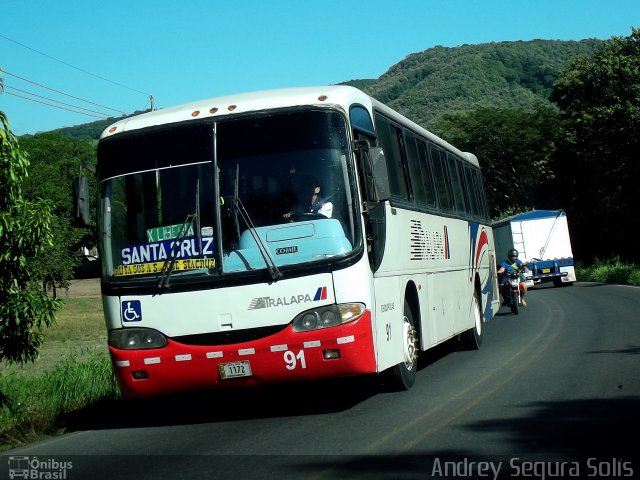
(472, 338)
(403, 375)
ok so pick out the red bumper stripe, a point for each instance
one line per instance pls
(283, 357)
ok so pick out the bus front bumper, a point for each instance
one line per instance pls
(287, 356)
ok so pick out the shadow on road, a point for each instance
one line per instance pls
(223, 405)
(577, 428)
(579, 438)
(281, 400)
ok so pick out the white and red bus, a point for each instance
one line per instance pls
(220, 270)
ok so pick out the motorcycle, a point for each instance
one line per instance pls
(513, 289)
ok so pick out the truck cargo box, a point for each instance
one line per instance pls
(543, 242)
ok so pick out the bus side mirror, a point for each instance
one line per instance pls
(377, 176)
(81, 201)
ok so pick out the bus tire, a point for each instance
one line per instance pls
(472, 338)
(403, 375)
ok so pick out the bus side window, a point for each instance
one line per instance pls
(456, 184)
(472, 190)
(426, 170)
(361, 121)
(389, 139)
(442, 178)
(484, 206)
(413, 161)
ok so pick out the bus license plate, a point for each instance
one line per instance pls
(234, 369)
(546, 270)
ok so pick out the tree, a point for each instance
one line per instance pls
(25, 230)
(513, 147)
(54, 162)
(596, 164)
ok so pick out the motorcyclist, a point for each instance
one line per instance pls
(512, 264)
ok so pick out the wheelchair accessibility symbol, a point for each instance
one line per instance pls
(131, 311)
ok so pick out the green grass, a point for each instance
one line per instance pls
(609, 271)
(37, 401)
(79, 331)
(72, 371)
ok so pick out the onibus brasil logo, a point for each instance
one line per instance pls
(34, 468)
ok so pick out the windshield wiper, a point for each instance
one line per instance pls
(170, 262)
(239, 207)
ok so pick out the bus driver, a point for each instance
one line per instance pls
(312, 202)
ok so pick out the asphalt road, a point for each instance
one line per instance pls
(554, 392)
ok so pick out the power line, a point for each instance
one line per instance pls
(73, 66)
(8, 87)
(61, 93)
(54, 106)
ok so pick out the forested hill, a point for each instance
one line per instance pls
(440, 80)
(90, 131)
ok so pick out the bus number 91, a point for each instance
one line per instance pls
(291, 359)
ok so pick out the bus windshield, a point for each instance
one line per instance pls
(208, 198)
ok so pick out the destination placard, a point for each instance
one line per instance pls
(189, 247)
(156, 267)
(169, 232)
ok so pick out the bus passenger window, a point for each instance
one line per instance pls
(442, 178)
(426, 170)
(484, 206)
(456, 184)
(417, 185)
(472, 191)
(389, 140)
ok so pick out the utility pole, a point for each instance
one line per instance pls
(152, 102)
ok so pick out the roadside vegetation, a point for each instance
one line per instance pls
(72, 371)
(609, 271)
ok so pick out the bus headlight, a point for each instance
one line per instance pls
(329, 316)
(136, 339)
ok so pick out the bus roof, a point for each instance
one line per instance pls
(241, 103)
(342, 95)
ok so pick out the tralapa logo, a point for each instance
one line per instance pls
(269, 302)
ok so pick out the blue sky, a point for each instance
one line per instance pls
(117, 53)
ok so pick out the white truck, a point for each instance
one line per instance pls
(542, 240)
